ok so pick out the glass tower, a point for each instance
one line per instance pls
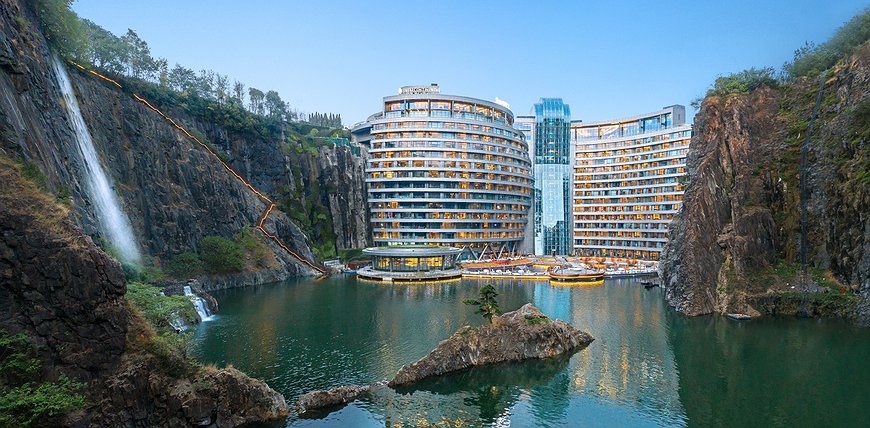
(552, 167)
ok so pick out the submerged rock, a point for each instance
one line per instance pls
(338, 396)
(515, 336)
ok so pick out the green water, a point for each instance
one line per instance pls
(647, 367)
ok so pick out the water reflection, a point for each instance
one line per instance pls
(647, 366)
(786, 372)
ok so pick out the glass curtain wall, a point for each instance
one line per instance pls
(552, 166)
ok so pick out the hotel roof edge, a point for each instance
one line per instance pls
(579, 123)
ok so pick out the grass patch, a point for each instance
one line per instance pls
(538, 320)
(159, 310)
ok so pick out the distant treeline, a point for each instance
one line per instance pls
(130, 56)
(325, 119)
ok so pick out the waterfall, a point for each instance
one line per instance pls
(112, 220)
(198, 304)
(179, 325)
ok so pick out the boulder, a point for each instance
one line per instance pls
(338, 396)
(515, 336)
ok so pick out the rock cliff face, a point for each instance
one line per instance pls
(736, 240)
(67, 296)
(174, 191)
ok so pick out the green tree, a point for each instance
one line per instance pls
(106, 51)
(185, 265)
(182, 79)
(140, 64)
(257, 97)
(812, 59)
(486, 303)
(744, 81)
(25, 399)
(275, 106)
(62, 27)
(163, 73)
(239, 91)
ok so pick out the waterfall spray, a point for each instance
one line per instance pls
(113, 222)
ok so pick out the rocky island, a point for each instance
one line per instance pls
(524, 334)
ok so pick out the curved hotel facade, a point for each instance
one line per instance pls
(629, 176)
(447, 170)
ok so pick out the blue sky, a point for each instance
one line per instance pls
(607, 59)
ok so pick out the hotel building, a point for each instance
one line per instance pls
(629, 176)
(446, 170)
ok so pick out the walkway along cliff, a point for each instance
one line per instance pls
(735, 244)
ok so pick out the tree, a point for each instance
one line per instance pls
(276, 107)
(182, 79)
(256, 96)
(486, 303)
(239, 91)
(138, 56)
(221, 255)
(221, 87)
(162, 73)
(62, 27)
(105, 50)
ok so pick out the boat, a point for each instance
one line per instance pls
(648, 284)
(579, 276)
(348, 271)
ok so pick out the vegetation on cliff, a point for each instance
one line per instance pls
(84, 345)
(809, 61)
(767, 148)
(26, 399)
(206, 99)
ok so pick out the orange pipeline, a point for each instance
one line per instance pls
(260, 224)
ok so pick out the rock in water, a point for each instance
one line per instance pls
(317, 400)
(515, 336)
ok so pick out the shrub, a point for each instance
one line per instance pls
(221, 255)
(24, 399)
(250, 241)
(744, 81)
(352, 254)
(185, 265)
(169, 349)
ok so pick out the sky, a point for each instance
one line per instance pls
(607, 59)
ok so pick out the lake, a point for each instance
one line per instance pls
(648, 365)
